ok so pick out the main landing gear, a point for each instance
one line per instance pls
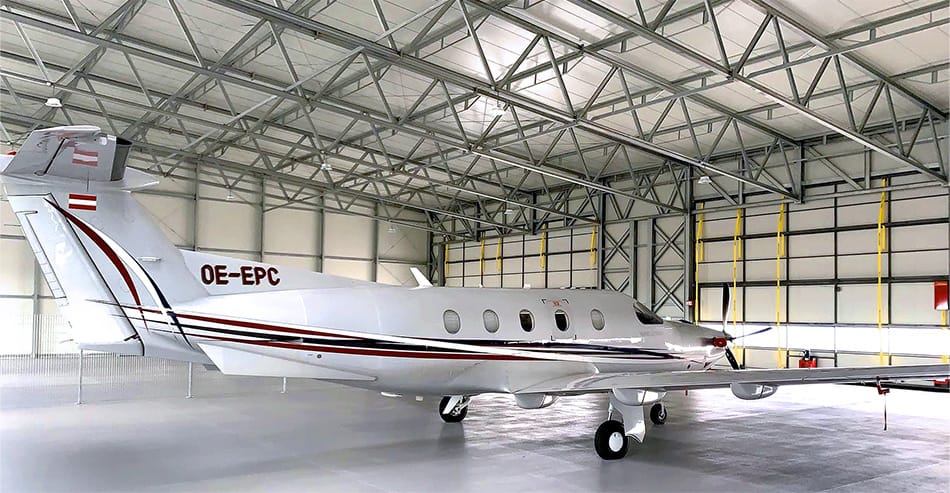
(626, 420)
(610, 441)
(658, 413)
(453, 408)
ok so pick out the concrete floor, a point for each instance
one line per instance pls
(320, 437)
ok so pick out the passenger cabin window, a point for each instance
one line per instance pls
(597, 319)
(561, 320)
(645, 314)
(527, 320)
(491, 321)
(451, 321)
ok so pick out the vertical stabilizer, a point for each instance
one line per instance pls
(101, 254)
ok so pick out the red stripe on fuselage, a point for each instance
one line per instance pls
(373, 352)
(110, 254)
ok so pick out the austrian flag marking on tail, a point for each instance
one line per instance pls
(82, 202)
(85, 158)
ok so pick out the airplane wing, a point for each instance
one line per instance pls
(680, 380)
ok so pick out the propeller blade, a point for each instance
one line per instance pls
(726, 302)
(751, 333)
(732, 359)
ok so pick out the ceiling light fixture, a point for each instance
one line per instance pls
(705, 180)
(392, 229)
(509, 211)
(497, 111)
(54, 103)
(325, 166)
(230, 195)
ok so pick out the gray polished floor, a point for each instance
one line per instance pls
(320, 437)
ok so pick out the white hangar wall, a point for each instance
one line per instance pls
(826, 299)
(205, 215)
(828, 271)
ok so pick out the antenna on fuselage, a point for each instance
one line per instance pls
(421, 279)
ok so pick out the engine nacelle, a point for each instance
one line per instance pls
(752, 391)
(534, 401)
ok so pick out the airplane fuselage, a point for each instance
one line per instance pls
(604, 330)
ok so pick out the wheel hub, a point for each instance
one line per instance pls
(615, 442)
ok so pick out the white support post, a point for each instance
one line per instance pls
(79, 392)
(190, 367)
(283, 387)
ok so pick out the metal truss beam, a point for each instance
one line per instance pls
(143, 153)
(321, 188)
(224, 128)
(736, 77)
(337, 106)
(701, 82)
(431, 177)
(856, 59)
(348, 40)
(621, 65)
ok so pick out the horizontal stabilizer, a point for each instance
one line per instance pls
(130, 347)
(234, 358)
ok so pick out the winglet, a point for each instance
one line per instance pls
(420, 278)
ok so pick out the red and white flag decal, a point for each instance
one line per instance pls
(82, 202)
(85, 158)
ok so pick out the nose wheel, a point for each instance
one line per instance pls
(454, 408)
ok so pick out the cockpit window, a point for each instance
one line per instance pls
(645, 314)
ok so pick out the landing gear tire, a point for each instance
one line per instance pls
(453, 415)
(610, 441)
(658, 414)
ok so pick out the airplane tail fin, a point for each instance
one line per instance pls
(101, 254)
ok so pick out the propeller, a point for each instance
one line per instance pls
(723, 341)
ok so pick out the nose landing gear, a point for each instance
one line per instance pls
(454, 408)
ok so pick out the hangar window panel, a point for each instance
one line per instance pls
(511, 281)
(762, 339)
(491, 321)
(561, 320)
(930, 341)
(857, 338)
(527, 320)
(809, 337)
(452, 322)
(597, 319)
(491, 281)
(559, 279)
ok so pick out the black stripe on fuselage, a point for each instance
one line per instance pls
(560, 348)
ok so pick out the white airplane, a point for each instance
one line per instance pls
(124, 288)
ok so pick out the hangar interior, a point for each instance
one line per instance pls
(795, 151)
